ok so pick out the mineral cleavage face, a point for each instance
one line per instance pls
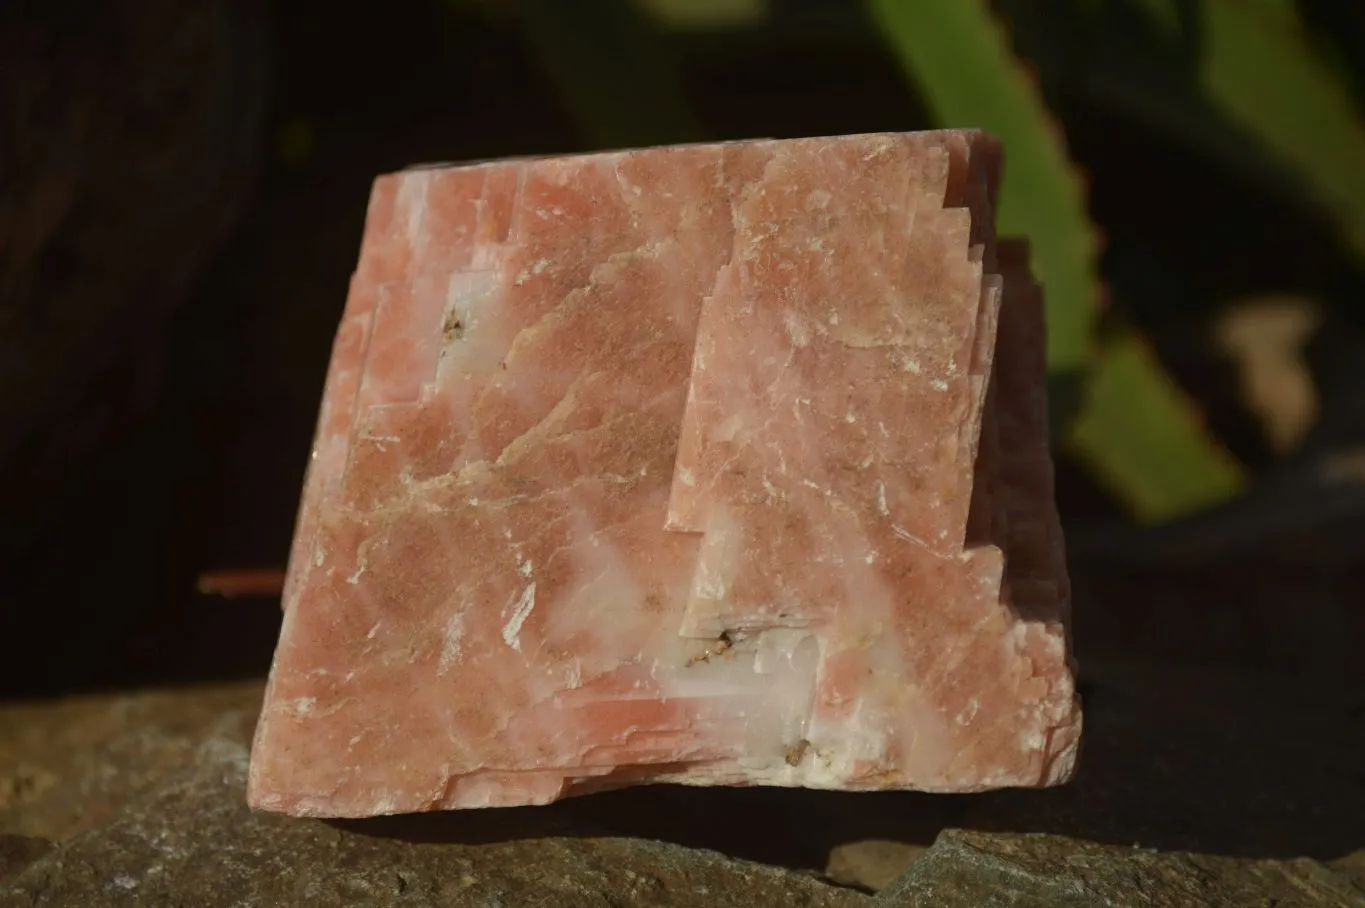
(715, 465)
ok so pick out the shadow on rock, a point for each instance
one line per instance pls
(1197, 761)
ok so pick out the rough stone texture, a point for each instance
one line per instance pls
(1239, 783)
(981, 870)
(695, 464)
(196, 842)
(872, 864)
(17, 852)
(71, 765)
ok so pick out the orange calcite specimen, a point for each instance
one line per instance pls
(719, 465)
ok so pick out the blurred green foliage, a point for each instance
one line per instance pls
(1142, 438)
(1267, 90)
(960, 59)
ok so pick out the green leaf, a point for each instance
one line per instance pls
(1259, 67)
(1136, 429)
(1142, 437)
(961, 64)
(1241, 81)
(612, 69)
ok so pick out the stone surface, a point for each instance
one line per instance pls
(871, 864)
(1245, 782)
(975, 870)
(697, 464)
(70, 765)
(17, 852)
(194, 841)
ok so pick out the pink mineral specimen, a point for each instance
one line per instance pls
(718, 465)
